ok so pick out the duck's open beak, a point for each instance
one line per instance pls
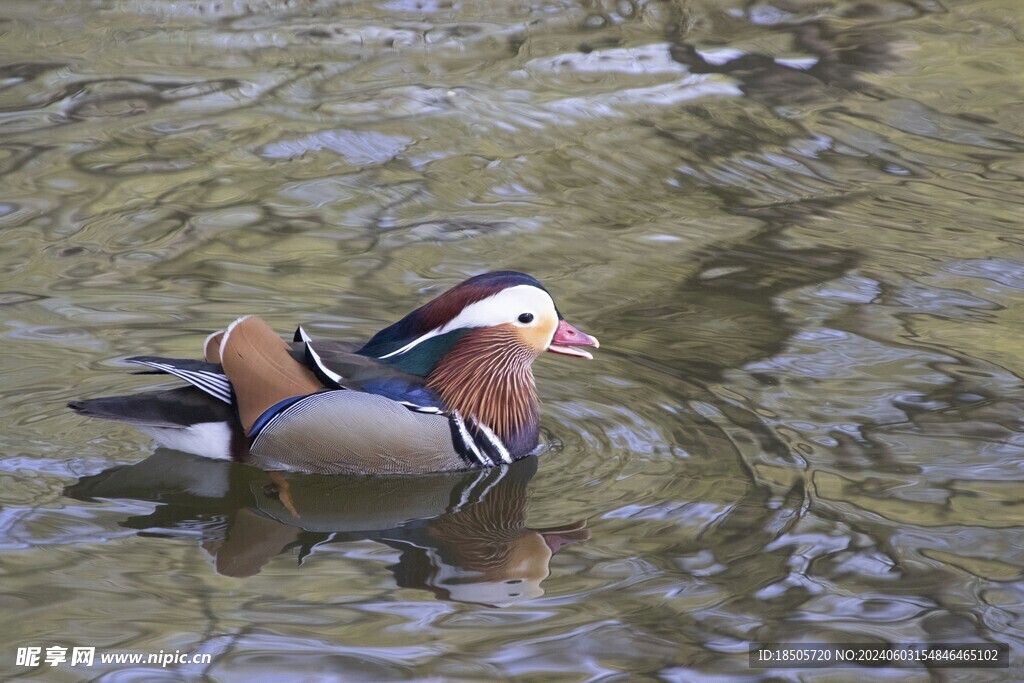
(567, 337)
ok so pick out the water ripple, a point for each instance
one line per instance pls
(795, 228)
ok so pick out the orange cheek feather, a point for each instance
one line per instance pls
(538, 335)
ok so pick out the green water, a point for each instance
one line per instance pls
(796, 228)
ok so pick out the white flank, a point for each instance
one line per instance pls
(504, 307)
(482, 458)
(206, 439)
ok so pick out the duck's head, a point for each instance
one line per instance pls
(475, 345)
(513, 310)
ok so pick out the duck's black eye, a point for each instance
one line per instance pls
(526, 318)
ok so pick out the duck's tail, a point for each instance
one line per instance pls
(185, 419)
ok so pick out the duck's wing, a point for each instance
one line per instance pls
(257, 364)
(209, 377)
(335, 365)
(338, 365)
(295, 423)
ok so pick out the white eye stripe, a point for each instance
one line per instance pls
(503, 307)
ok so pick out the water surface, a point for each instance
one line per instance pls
(795, 227)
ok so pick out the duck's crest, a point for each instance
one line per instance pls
(442, 310)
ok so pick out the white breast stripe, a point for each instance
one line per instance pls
(496, 442)
(482, 458)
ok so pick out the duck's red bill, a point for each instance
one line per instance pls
(568, 337)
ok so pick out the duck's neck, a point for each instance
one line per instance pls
(487, 376)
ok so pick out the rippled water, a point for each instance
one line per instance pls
(795, 227)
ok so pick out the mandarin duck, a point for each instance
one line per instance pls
(448, 387)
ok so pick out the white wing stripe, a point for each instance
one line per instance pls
(333, 376)
(212, 383)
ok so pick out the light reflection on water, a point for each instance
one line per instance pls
(795, 229)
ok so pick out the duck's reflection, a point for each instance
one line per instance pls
(463, 536)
